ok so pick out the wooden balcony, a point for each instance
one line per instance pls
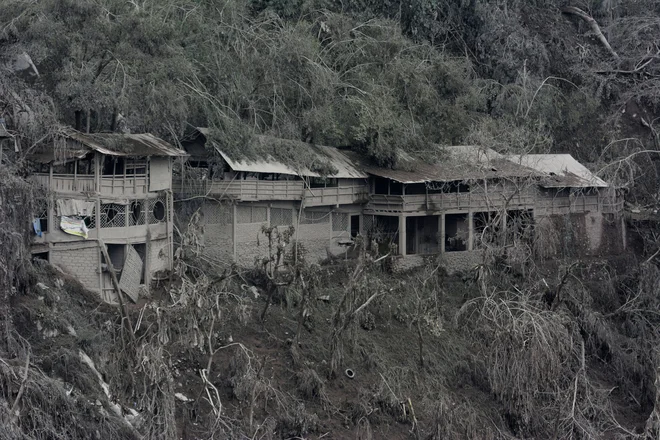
(448, 202)
(135, 185)
(269, 190)
(479, 201)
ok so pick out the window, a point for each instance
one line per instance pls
(339, 222)
(113, 215)
(134, 166)
(136, 213)
(251, 214)
(323, 182)
(158, 211)
(281, 217)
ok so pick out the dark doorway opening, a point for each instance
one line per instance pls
(456, 232)
(355, 225)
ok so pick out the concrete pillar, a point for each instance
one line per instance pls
(402, 235)
(470, 245)
(441, 228)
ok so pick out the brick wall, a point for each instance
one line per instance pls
(81, 262)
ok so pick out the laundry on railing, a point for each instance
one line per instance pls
(36, 224)
(73, 207)
(74, 226)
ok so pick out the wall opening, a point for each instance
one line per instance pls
(40, 256)
(456, 232)
(384, 232)
(355, 225)
(141, 249)
(117, 254)
(159, 211)
(422, 235)
(487, 227)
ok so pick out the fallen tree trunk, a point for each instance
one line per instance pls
(592, 24)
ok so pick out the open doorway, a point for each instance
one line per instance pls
(355, 225)
(422, 235)
(456, 232)
(487, 227)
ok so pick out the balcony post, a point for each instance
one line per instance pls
(470, 230)
(402, 235)
(441, 228)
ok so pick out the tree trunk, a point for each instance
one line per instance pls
(593, 25)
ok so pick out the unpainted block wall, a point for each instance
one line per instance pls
(81, 263)
(251, 243)
(217, 231)
(315, 238)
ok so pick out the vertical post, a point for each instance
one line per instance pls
(51, 202)
(470, 230)
(504, 218)
(75, 175)
(170, 227)
(97, 173)
(402, 235)
(441, 228)
(233, 231)
(624, 235)
(51, 183)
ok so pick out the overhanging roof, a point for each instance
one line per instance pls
(560, 171)
(449, 164)
(120, 144)
(111, 144)
(320, 155)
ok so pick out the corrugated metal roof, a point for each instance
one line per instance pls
(120, 144)
(463, 162)
(321, 156)
(560, 171)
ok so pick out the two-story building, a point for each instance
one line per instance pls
(106, 190)
(243, 196)
(455, 202)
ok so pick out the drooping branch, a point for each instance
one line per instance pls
(592, 24)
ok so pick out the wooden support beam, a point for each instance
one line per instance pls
(126, 320)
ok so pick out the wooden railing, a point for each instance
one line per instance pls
(128, 186)
(449, 202)
(481, 202)
(112, 186)
(253, 190)
(66, 183)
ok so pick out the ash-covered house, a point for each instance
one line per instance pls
(323, 201)
(454, 203)
(111, 190)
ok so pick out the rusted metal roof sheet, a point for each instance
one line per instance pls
(449, 164)
(560, 171)
(119, 144)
